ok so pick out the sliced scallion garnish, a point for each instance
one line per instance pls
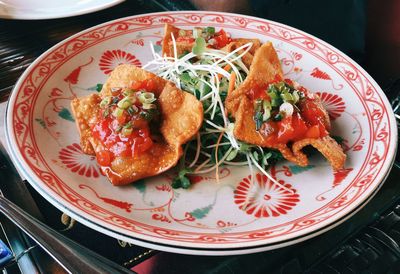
(266, 105)
(199, 46)
(118, 112)
(105, 102)
(146, 97)
(127, 131)
(124, 103)
(209, 30)
(132, 110)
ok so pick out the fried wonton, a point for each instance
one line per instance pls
(185, 41)
(181, 116)
(266, 69)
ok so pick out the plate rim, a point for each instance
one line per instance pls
(249, 244)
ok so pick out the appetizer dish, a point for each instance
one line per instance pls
(208, 100)
(137, 124)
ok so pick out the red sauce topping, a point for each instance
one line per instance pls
(307, 121)
(128, 134)
(221, 39)
(292, 128)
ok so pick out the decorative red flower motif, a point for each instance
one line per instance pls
(73, 77)
(332, 103)
(263, 198)
(73, 158)
(317, 73)
(112, 58)
(340, 175)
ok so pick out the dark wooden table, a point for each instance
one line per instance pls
(368, 241)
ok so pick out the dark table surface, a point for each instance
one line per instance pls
(368, 241)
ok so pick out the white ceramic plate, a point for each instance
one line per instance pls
(44, 9)
(207, 219)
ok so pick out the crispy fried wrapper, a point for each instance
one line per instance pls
(186, 45)
(181, 118)
(263, 70)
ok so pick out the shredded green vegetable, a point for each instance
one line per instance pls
(207, 79)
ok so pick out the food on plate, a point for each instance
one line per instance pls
(253, 116)
(277, 113)
(224, 100)
(183, 41)
(137, 124)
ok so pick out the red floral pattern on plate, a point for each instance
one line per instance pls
(333, 103)
(264, 198)
(112, 58)
(73, 158)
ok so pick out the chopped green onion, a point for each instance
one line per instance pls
(258, 119)
(127, 131)
(106, 112)
(132, 109)
(146, 98)
(124, 103)
(209, 30)
(287, 97)
(276, 102)
(105, 102)
(273, 94)
(296, 96)
(280, 86)
(267, 105)
(118, 112)
(128, 125)
(199, 46)
(267, 110)
(272, 88)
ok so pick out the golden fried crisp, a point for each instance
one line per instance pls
(265, 69)
(328, 147)
(181, 46)
(186, 44)
(181, 118)
(237, 43)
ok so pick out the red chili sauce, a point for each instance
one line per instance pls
(307, 121)
(127, 133)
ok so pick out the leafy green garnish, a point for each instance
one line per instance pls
(182, 181)
(99, 87)
(209, 30)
